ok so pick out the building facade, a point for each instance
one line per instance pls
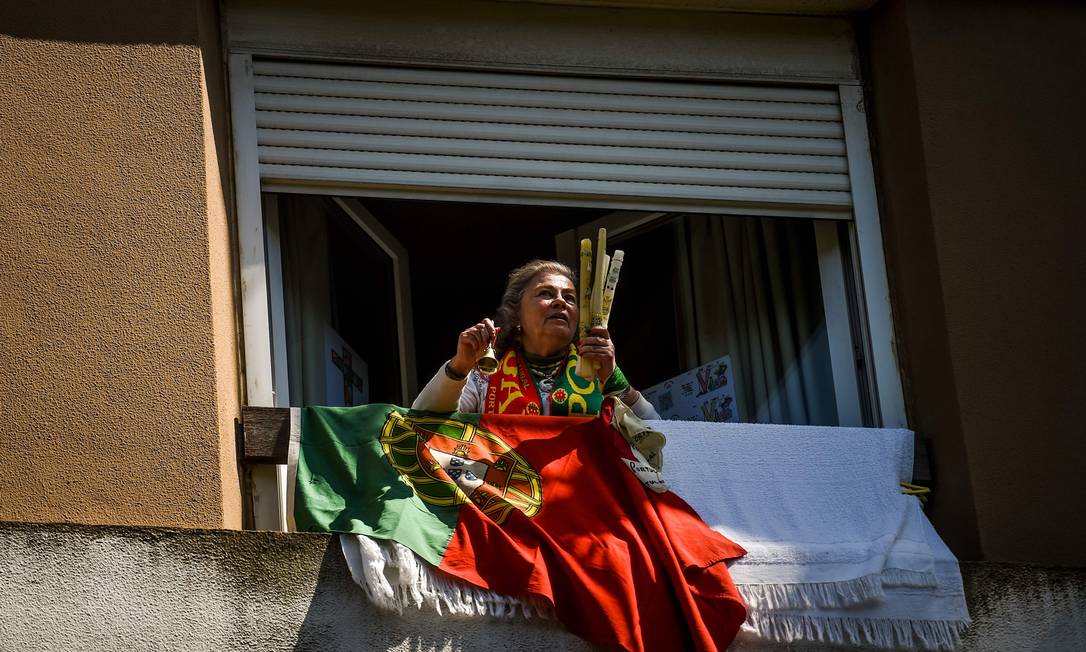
(160, 159)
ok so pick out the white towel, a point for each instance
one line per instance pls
(930, 618)
(835, 552)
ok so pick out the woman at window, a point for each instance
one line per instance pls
(533, 332)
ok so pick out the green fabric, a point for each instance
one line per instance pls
(616, 384)
(346, 483)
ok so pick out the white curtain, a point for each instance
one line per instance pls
(303, 228)
(757, 297)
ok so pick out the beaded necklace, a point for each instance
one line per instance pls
(544, 367)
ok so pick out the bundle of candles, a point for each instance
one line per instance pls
(597, 293)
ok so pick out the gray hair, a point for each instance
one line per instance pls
(507, 316)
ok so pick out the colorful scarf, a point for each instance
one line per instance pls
(512, 390)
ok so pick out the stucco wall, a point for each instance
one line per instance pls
(98, 588)
(108, 588)
(118, 366)
(978, 126)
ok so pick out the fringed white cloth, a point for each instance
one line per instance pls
(395, 578)
(909, 617)
(836, 553)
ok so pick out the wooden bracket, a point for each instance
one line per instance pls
(266, 435)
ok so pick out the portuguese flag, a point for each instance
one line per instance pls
(544, 507)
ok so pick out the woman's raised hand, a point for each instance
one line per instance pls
(596, 345)
(471, 345)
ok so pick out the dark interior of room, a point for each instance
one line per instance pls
(460, 254)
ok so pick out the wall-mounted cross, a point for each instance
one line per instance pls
(351, 380)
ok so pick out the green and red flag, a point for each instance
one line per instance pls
(543, 507)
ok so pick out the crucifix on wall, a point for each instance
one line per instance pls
(351, 380)
(346, 377)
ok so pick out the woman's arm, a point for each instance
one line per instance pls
(449, 389)
(639, 404)
(441, 394)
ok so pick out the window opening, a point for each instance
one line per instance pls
(695, 289)
(339, 308)
(756, 285)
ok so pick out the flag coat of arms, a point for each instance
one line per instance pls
(538, 507)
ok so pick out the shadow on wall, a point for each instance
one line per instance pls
(340, 617)
(109, 21)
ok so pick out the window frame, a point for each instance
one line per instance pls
(875, 315)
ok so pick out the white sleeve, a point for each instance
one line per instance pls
(644, 410)
(471, 399)
(441, 394)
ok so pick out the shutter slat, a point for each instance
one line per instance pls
(272, 173)
(542, 116)
(552, 151)
(548, 99)
(549, 134)
(547, 169)
(441, 133)
(545, 82)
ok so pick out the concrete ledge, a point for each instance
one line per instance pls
(75, 587)
(107, 588)
(1025, 607)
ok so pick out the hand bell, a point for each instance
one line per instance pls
(488, 362)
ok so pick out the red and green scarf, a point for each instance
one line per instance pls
(513, 391)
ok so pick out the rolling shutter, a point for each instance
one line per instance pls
(548, 139)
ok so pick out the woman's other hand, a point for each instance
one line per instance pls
(471, 345)
(596, 346)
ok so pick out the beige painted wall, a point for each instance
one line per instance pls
(118, 354)
(978, 124)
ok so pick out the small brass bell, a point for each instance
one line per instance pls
(488, 362)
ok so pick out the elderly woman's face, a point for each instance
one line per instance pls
(548, 314)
